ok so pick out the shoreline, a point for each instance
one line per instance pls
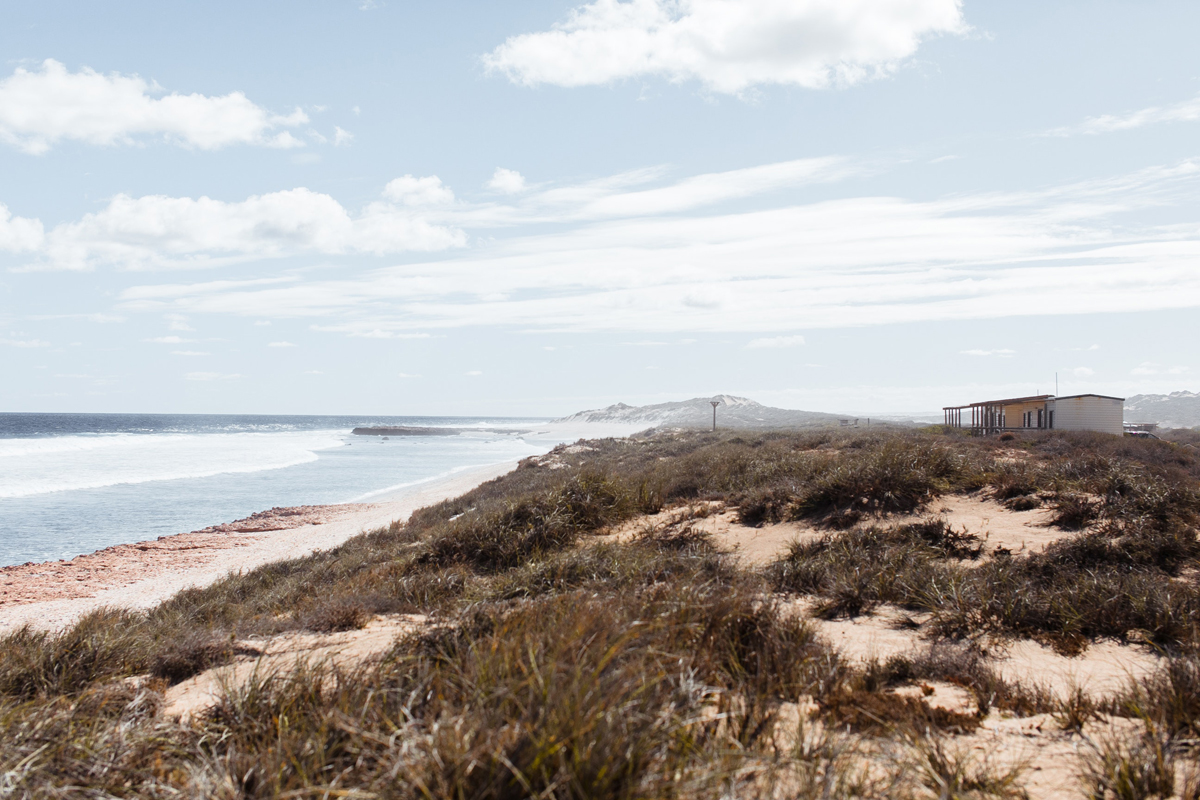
(51, 595)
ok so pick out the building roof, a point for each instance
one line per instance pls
(1031, 399)
(1105, 396)
(1006, 402)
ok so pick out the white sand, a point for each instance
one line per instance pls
(251, 550)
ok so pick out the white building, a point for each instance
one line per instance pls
(1078, 412)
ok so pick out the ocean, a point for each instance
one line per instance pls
(74, 483)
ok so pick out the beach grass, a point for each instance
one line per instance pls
(559, 662)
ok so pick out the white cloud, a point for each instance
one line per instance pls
(659, 262)
(978, 352)
(40, 108)
(178, 322)
(341, 136)
(210, 376)
(1152, 368)
(1186, 111)
(159, 232)
(99, 319)
(370, 329)
(18, 234)
(1083, 372)
(776, 341)
(280, 344)
(419, 214)
(628, 195)
(22, 341)
(406, 375)
(168, 340)
(507, 181)
(727, 45)
(262, 322)
(473, 372)
(189, 353)
(411, 191)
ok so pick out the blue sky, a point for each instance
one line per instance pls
(531, 208)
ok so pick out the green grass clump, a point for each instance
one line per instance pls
(855, 571)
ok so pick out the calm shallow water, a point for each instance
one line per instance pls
(74, 483)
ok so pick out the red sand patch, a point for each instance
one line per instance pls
(126, 564)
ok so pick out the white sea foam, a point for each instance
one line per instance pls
(64, 463)
(397, 487)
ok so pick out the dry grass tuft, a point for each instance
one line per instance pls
(563, 667)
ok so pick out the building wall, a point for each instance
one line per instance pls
(1104, 414)
(1014, 414)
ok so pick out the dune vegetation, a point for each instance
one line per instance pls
(559, 662)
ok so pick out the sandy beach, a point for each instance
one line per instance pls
(52, 595)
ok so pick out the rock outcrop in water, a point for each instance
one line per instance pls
(404, 430)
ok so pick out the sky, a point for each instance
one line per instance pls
(531, 208)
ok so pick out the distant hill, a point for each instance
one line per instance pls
(734, 412)
(1174, 410)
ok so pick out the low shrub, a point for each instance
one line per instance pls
(192, 654)
(855, 571)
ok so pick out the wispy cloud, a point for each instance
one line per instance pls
(22, 341)
(100, 319)
(776, 341)
(210, 376)
(372, 329)
(178, 322)
(641, 254)
(1003, 353)
(280, 344)
(1153, 368)
(1184, 111)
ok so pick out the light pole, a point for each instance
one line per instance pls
(714, 404)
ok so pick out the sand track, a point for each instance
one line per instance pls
(343, 651)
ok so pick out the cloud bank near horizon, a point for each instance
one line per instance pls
(636, 252)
